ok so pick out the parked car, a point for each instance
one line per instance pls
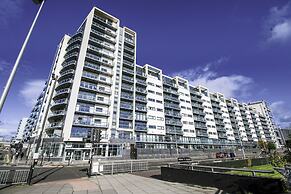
(184, 160)
(225, 155)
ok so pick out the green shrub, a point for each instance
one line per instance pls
(277, 160)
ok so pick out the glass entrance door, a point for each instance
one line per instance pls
(78, 155)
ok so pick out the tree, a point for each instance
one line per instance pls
(271, 146)
(262, 145)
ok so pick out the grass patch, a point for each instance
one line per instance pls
(261, 167)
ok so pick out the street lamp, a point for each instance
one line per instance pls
(11, 77)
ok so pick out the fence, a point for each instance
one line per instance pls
(216, 169)
(14, 176)
(112, 167)
(147, 153)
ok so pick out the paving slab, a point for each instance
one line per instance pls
(109, 184)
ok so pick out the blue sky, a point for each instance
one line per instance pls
(238, 47)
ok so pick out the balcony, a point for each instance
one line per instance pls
(170, 91)
(62, 93)
(67, 72)
(129, 50)
(57, 114)
(70, 55)
(106, 30)
(198, 112)
(59, 103)
(55, 125)
(99, 59)
(129, 41)
(200, 119)
(101, 43)
(106, 22)
(174, 131)
(74, 40)
(141, 90)
(172, 114)
(126, 106)
(127, 63)
(126, 116)
(201, 134)
(92, 99)
(97, 69)
(126, 97)
(141, 128)
(196, 99)
(64, 83)
(101, 52)
(141, 74)
(95, 89)
(140, 99)
(128, 57)
(129, 71)
(141, 82)
(92, 111)
(197, 105)
(127, 79)
(90, 124)
(220, 129)
(170, 98)
(93, 77)
(141, 108)
(172, 106)
(173, 122)
(103, 36)
(126, 87)
(72, 48)
(200, 126)
(69, 64)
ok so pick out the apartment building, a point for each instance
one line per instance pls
(99, 101)
(268, 124)
(20, 131)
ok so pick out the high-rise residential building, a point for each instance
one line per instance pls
(98, 100)
(267, 122)
(20, 131)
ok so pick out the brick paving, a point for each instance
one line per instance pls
(109, 184)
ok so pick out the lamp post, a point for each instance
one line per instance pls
(12, 74)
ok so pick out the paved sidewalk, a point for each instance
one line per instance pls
(109, 184)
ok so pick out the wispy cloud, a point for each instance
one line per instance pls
(230, 85)
(8, 127)
(278, 24)
(9, 9)
(3, 65)
(30, 91)
(282, 113)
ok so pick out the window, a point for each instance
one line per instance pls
(103, 78)
(151, 99)
(151, 91)
(98, 109)
(100, 98)
(159, 109)
(151, 84)
(152, 126)
(160, 118)
(158, 86)
(159, 93)
(160, 127)
(151, 108)
(151, 117)
(159, 101)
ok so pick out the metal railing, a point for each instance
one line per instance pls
(4, 174)
(118, 166)
(216, 169)
(14, 176)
